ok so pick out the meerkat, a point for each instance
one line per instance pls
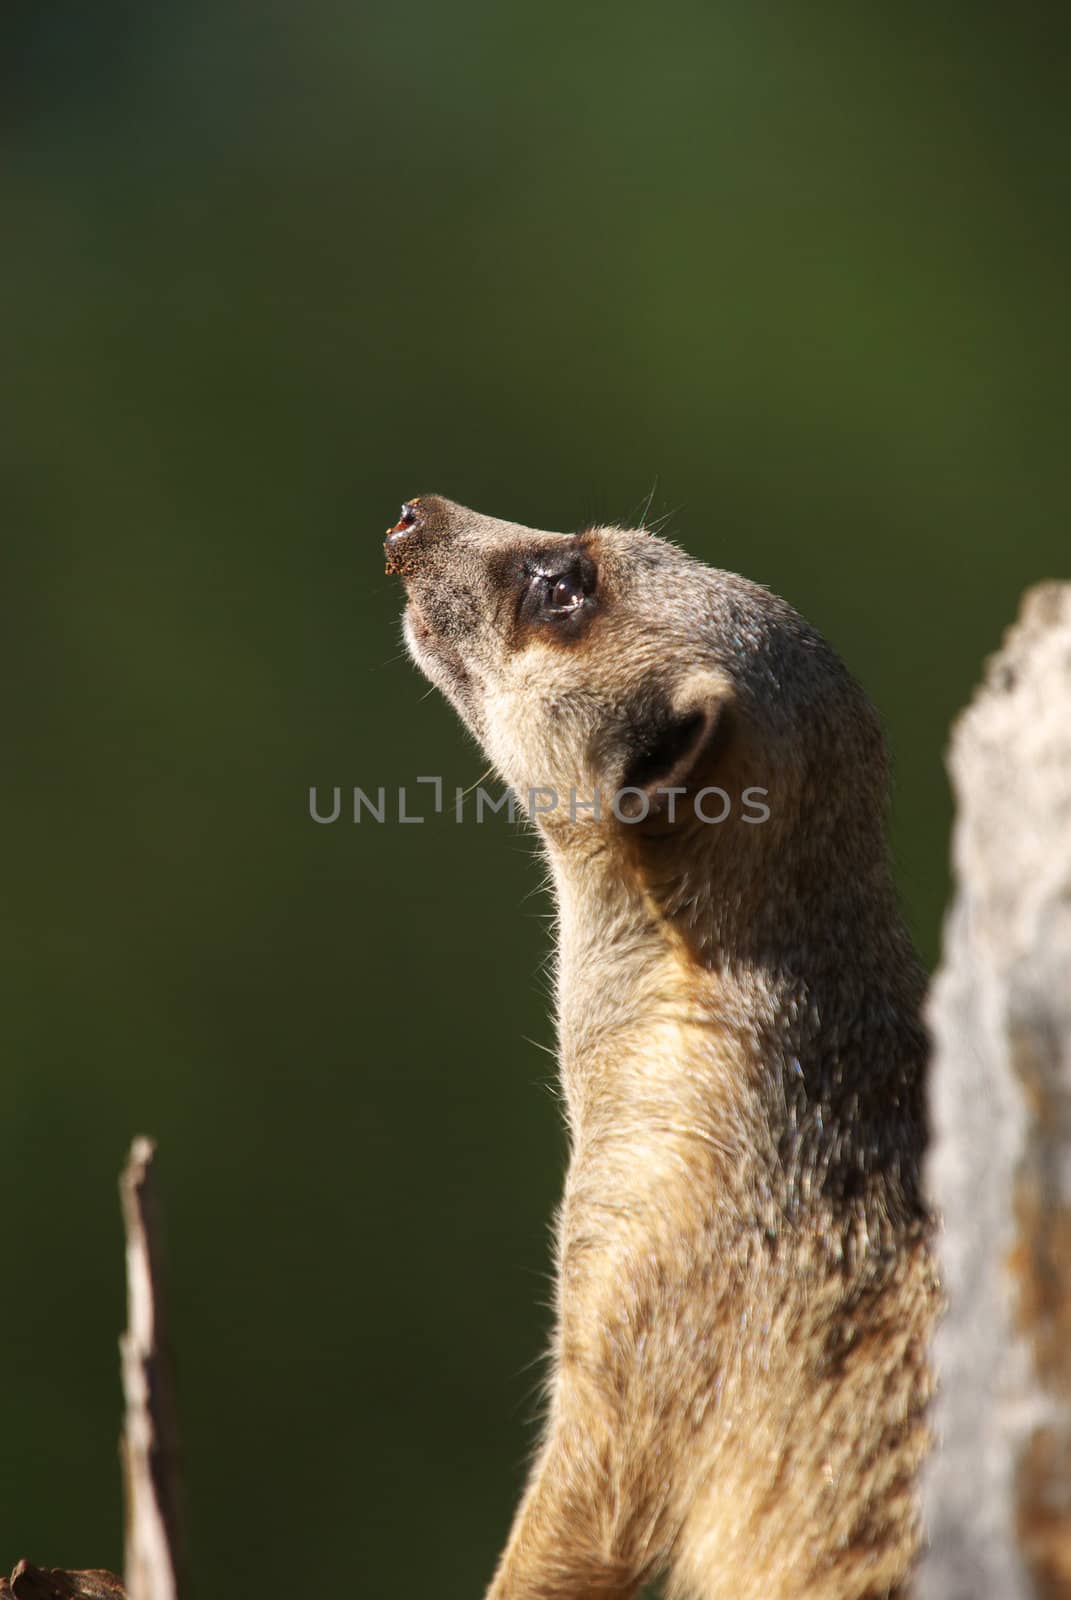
(745, 1283)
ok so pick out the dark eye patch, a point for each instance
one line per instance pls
(557, 591)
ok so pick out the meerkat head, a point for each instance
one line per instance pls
(640, 702)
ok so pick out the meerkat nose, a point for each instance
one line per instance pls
(408, 524)
(409, 518)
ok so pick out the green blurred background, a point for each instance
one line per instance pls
(797, 274)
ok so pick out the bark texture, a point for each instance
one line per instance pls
(28, 1582)
(998, 1491)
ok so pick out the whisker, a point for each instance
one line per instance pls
(647, 503)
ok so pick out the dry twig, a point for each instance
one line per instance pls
(150, 1446)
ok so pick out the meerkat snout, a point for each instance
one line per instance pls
(745, 1284)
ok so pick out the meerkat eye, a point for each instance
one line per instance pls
(558, 591)
(567, 594)
(562, 593)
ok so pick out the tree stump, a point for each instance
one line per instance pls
(998, 1489)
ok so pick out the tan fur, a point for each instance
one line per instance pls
(745, 1288)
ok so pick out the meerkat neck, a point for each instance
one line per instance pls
(655, 1054)
(665, 1043)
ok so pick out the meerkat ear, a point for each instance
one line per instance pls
(683, 744)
